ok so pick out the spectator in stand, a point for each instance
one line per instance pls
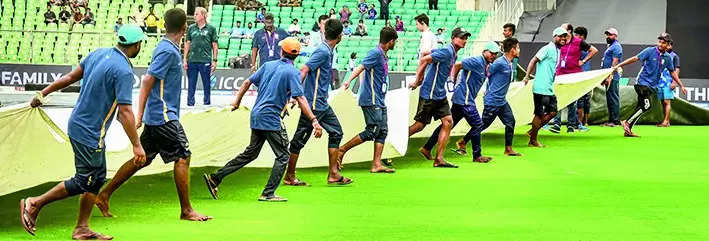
(345, 14)
(399, 27)
(151, 21)
(249, 31)
(76, 17)
(294, 28)
(372, 13)
(261, 15)
(237, 31)
(49, 16)
(88, 18)
(332, 14)
(439, 36)
(139, 17)
(363, 7)
(64, 15)
(118, 25)
(432, 4)
(361, 29)
(347, 29)
(305, 39)
(353, 62)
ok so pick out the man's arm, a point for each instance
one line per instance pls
(186, 52)
(456, 68)
(215, 49)
(125, 116)
(145, 87)
(254, 52)
(675, 78)
(61, 83)
(610, 77)
(355, 73)
(304, 72)
(624, 63)
(305, 109)
(530, 68)
(242, 91)
(420, 71)
(591, 52)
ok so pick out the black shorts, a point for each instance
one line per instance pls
(544, 104)
(435, 109)
(168, 140)
(90, 164)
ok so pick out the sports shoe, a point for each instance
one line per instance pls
(555, 129)
(582, 128)
(570, 129)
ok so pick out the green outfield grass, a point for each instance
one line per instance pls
(582, 186)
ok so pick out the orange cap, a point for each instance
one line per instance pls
(290, 45)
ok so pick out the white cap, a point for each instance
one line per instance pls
(611, 31)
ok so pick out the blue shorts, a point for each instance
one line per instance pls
(90, 166)
(665, 93)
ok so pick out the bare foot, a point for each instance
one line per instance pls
(381, 170)
(193, 216)
(84, 233)
(102, 204)
(535, 144)
(482, 159)
(425, 153)
(460, 144)
(512, 153)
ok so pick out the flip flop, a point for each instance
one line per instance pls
(446, 165)
(383, 170)
(211, 187)
(461, 152)
(514, 154)
(273, 198)
(342, 181)
(92, 236)
(25, 218)
(297, 182)
(388, 162)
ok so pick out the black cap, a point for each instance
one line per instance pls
(665, 37)
(460, 33)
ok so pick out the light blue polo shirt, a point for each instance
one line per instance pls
(374, 86)
(546, 69)
(654, 62)
(163, 103)
(318, 80)
(267, 44)
(501, 73)
(474, 74)
(615, 50)
(277, 82)
(107, 83)
(437, 72)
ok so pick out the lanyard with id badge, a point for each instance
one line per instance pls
(271, 44)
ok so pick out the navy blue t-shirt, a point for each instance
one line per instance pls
(107, 82)
(437, 72)
(277, 82)
(267, 44)
(163, 103)
(615, 50)
(318, 80)
(499, 82)
(474, 74)
(374, 86)
(654, 62)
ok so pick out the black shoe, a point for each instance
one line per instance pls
(570, 130)
(387, 162)
(555, 129)
(211, 186)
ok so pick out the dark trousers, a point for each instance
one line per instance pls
(328, 121)
(470, 114)
(432, 4)
(572, 117)
(278, 140)
(645, 101)
(504, 112)
(204, 70)
(613, 102)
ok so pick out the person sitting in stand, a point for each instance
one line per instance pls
(64, 15)
(372, 13)
(399, 26)
(49, 16)
(347, 29)
(361, 29)
(294, 28)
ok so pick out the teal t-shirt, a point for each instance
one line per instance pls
(546, 67)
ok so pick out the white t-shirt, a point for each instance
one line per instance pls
(428, 42)
(294, 28)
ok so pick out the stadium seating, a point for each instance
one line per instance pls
(24, 38)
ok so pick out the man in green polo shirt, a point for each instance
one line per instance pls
(200, 55)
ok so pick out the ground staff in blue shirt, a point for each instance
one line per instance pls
(612, 56)
(265, 43)
(316, 75)
(107, 83)
(163, 133)
(371, 98)
(432, 97)
(501, 74)
(474, 74)
(277, 82)
(665, 91)
(655, 60)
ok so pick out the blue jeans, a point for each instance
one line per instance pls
(613, 102)
(470, 114)
(204, 70)
(572, 118)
